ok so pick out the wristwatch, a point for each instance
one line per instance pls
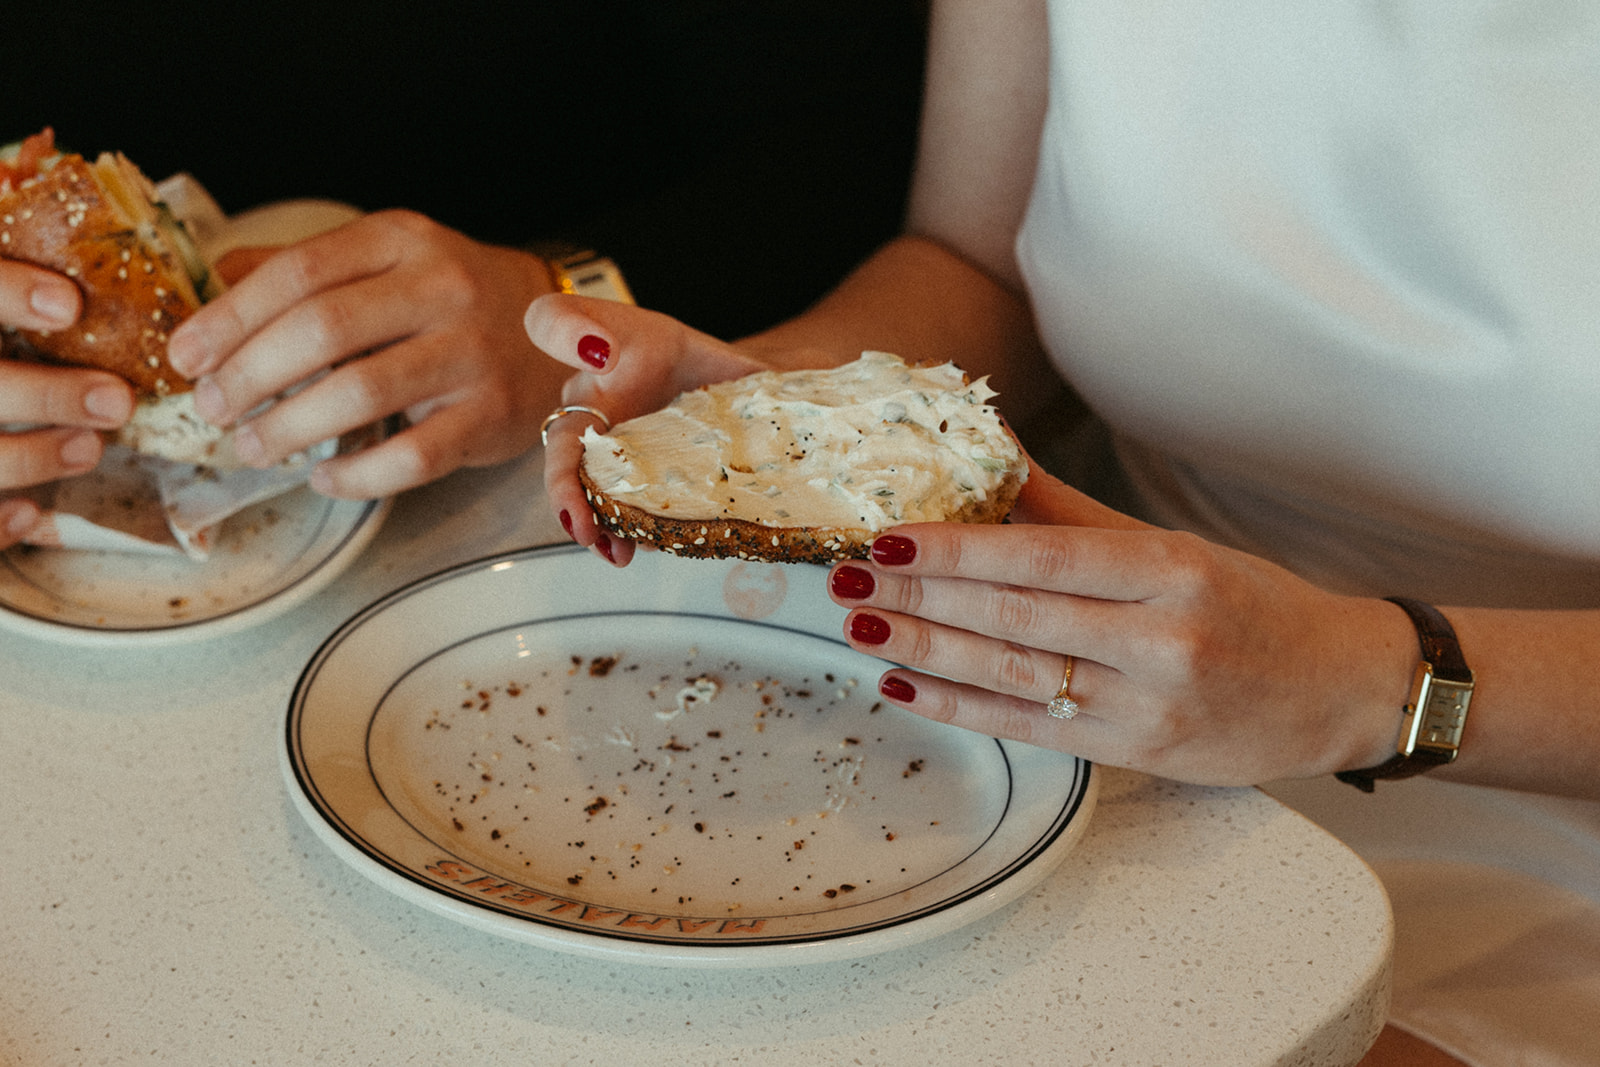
(587, 273)
(1441, 692)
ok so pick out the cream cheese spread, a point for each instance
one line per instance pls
(871, 444)
(169, 427)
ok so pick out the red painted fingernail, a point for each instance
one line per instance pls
(869, 629)
(566, 521)
(898, 690)
(593, 350)
(603, 546)
(852, 583)
(894, 551)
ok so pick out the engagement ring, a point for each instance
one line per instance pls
(1062, 706)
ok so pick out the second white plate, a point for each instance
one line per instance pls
(268, 559)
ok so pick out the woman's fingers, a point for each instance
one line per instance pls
(999, 688)
(981, 620)
(633, 361)
(962, 678)
(569, 329)
(39, 456)
(562, 454)
(586, 333)
(1086, 561)
(33, 298)
(316, 333)
(638, 358)
(61, 410)
(998, 666)
(992, 714)
(421, 376)
(1105, 596)
(392, 313)
(17, 519)
(451, 423)
(360, 249)
(1177, 642)
(562, 435)
(62, 396)
(1029, 617)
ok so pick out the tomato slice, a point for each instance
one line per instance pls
(33, 151)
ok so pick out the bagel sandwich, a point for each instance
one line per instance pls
(805, 466)
(102, 224)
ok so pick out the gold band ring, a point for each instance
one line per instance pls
(1062, 706)
(570, 409)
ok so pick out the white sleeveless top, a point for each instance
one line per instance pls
(1330, 273)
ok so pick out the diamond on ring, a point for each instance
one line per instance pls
(1062, 706)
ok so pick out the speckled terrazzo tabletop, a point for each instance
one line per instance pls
(162, 901)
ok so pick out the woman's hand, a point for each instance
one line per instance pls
(632, 361)
(406, 316)
(1191, 661)
(62, 408)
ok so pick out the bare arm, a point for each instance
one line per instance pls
(1535, 718)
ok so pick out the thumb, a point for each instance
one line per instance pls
(643, 357)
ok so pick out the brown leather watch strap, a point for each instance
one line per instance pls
(1437, 638)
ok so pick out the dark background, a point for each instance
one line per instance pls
(735, 157)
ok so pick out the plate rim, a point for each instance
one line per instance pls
(1059, 836)
(364, 527)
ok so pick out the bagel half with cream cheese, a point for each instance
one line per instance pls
(103, 225)
(805, 466)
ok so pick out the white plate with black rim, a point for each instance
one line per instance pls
(677, 763)
(267, 559)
